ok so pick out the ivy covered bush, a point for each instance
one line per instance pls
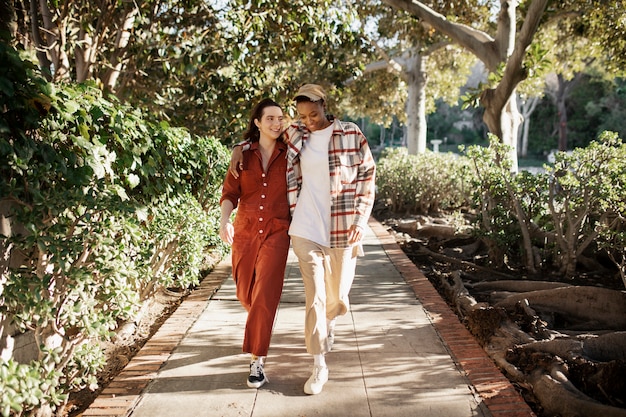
(424, 183)
(105, 207)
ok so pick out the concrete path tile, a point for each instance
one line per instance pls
(349, 401)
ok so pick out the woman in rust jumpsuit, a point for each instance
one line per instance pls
(259, 238)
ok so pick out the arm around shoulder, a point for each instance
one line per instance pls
(236, 158)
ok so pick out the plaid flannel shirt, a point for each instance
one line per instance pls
(352, 174)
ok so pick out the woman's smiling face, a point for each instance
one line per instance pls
(272, 122)
(312, 114)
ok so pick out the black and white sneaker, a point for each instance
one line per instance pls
(257, 376)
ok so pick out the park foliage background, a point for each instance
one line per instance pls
(116, 117)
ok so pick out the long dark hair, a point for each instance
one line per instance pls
(252, 133)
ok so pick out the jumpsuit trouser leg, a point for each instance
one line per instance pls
(259, 276)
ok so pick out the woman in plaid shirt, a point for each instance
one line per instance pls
(330, 187)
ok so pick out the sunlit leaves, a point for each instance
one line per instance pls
(94, 193)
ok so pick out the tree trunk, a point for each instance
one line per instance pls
(55, 41)
(121, 45)
(527, 108)
(416, 103)
(83, 55)
(511, 121)
(559, 89)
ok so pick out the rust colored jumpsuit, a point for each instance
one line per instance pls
(261, 242)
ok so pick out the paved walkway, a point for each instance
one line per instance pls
(395, 354)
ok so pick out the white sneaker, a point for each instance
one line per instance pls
(316, 381)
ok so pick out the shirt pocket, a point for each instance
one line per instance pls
(242, 224)
(349, 167)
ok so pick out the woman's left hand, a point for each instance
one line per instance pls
(355, 234)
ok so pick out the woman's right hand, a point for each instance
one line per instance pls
(227, 233)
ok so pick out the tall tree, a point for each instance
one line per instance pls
(504, 53)
(570, 56)
(197, 63)
(411, 66)
(507, 47)
(558, 88)
(527, 105)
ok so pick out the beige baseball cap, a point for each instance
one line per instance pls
(312, 91)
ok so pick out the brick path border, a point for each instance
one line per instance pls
(122, 394)
(496, 391)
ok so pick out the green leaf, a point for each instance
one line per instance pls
(6, 87)
(84, 131)
(71, 106)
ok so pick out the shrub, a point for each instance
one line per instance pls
(506, 203)
(106, 207)
(424, 183)
(573, 207)
(586, 199)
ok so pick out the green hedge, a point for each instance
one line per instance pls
(107, 207)
(424, 183)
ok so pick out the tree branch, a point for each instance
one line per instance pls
(514, 71)
(479, 43)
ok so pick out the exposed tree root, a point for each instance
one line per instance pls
(420, 250)
(541, 359)
(564, 344)
(515, 285)
(579, 307)
(559, 396)
(606, 347)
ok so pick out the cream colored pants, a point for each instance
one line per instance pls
(327, 275)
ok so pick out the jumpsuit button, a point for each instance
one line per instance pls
(262, 195)
(261, 231)
(260, 219)
(264, 184)
(263, 175)
(260, 207)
